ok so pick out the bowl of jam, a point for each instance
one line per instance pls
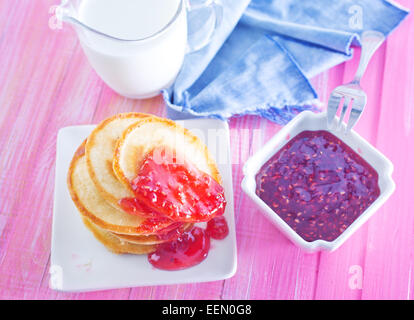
(316, 185)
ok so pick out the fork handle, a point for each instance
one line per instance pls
(370, 42)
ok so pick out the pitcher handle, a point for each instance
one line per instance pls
(216, 11)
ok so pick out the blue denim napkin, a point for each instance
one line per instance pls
(261, 58)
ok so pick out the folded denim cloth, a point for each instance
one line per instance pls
(261, 58)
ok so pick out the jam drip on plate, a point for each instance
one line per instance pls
(217, 228)
(188, 250)
(318, 185)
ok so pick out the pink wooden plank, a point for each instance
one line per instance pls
(18, 154)
(336, 270)
(30, 128)
(389, 256)
(267, 267)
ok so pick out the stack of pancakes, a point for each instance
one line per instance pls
(104, 165)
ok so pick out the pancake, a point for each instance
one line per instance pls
(147, 240)
(100, 149)
(135, 143)
(100, 212)
(114, 244)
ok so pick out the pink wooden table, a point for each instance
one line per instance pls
(46, 84)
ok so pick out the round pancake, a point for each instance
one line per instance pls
(135, 143)
(115, 244)
(147, 240)
(91, 204)
(100, 149)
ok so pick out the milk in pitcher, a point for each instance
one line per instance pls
(136, 46)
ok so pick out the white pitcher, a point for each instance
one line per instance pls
(136, 46)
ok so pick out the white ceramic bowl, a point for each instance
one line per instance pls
(310, 121)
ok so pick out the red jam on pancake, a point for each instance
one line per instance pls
(167, 188)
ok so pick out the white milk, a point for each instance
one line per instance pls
(136, 69)
(128, 19)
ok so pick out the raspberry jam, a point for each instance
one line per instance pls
(188, 250)
(179, 191)
(318, 185)
(217, 228)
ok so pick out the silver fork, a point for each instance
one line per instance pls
(352, 91)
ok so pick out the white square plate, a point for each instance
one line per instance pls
(80, 263)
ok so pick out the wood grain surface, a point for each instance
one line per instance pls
(46, 83)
